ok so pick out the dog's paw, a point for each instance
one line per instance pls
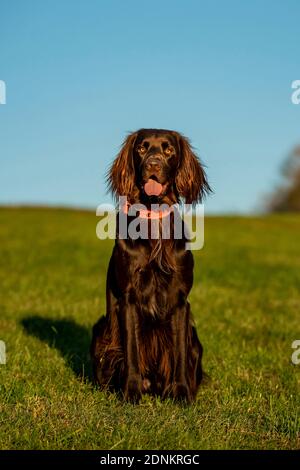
(180, 392)
(133, 390)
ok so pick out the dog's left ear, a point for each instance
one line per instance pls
(191, 181)
(121, 174)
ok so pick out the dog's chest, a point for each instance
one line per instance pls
(155, 289)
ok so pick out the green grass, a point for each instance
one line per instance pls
(246, 303)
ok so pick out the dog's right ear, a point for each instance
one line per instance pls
(121, 175)
(191, 180)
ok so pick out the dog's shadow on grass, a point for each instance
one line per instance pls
(70, 339)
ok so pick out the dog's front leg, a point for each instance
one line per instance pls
(180, 389)
(133, 380)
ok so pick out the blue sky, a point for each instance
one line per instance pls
(81, 74)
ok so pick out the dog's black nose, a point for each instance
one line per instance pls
(153, 164)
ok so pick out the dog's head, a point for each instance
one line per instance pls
(157, 165)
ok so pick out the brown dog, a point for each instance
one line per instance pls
(147, 341)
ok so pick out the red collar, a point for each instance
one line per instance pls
(149, 214)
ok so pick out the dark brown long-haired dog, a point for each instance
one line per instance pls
(147, 342)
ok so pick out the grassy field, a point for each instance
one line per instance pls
(246, 303)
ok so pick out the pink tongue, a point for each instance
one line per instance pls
(153, 188)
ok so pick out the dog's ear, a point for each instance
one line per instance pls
(121, 175)
(191, 181)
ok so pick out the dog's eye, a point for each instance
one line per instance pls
(142, 150)
(168, 150)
